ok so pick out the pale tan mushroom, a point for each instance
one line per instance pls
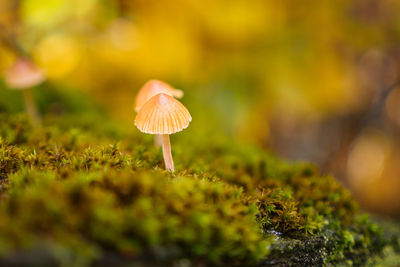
(23, 75)
(150, 89)
(163, 115)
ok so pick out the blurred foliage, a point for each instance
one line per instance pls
(85, 189)
(299, 59)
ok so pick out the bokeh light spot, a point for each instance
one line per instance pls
(58, 55)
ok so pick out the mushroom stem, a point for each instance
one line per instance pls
(166, 148)
(31, 107)
(158, 140)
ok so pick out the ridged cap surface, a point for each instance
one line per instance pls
(152, 88)
(162, 114)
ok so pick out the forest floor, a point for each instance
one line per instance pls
(84, 190)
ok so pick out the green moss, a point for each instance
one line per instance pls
(278, 211)
(84, 189)
(129, 212)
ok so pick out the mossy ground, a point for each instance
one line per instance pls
(84, 189)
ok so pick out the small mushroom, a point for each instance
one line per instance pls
(150, 89)
(163, 115)
(23, 75)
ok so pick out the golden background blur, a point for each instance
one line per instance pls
(311, 80)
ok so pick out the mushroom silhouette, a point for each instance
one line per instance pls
(150, 89)
(163, 115)
(23, 75)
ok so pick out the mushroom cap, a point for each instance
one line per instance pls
(23, 74)
(152, 88)
(162, 114)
